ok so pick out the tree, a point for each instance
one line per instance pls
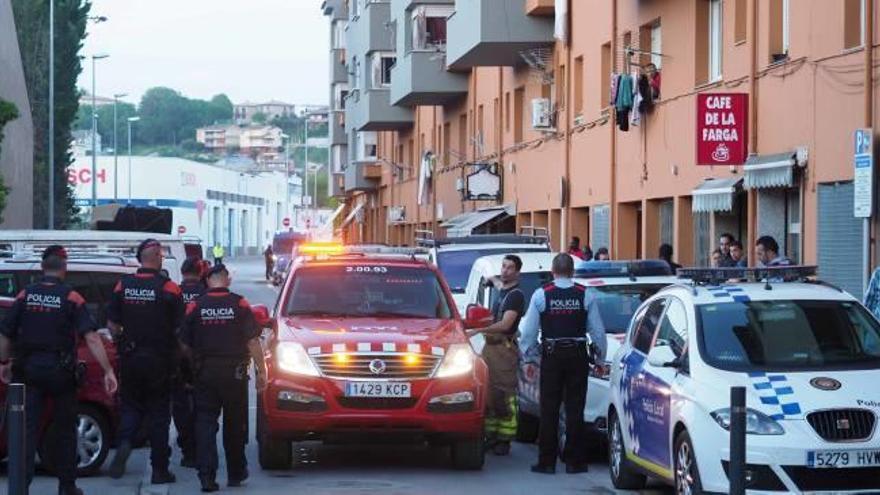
(105, 121)
(32, 21)
(259, 118)
(8, 112)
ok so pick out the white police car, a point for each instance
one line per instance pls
(809, 357)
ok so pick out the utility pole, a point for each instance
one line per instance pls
(51, 114)
(95, 134)
(116, 98)
(306, 167)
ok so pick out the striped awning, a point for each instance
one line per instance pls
(715, 195)
(766, 171)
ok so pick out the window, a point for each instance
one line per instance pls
(429, 27)
(382, 65)
(480, 128)
(507, 111)
(338, 35)
(579, 85)
(519, 102)
(447, 141)
(462, 137)
(740, 26)
(560, 87)
(605, 76)
(853, 23)
(643, 334)
(779, 30)
(367, 146)
(674, 329)
(617, 303)
(715, 40)
(657, 45)
(793, 223)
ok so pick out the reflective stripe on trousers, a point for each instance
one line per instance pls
(502, 428)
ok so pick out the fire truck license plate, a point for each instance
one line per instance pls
(378, 389)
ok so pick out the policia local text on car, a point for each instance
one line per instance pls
(145, 311)
(221, 335)
(41, 331)
(566, 313)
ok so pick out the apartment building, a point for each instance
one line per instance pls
(628, 123)
(244, 113)
(254, 140)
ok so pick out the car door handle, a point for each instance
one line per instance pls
(620, 365)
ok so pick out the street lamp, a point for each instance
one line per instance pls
(286, 174)
(316, 168)
(95, 133)
(116, 98)
(96, 20)
(131, 120)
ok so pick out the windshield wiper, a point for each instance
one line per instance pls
(317, 313)
(392, 314)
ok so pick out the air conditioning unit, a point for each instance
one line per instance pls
(542, 114)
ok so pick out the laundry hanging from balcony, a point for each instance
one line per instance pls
(632, 95)
(426, 170)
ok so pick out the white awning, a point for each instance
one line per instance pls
(715, 195)
(763, 171)
(351, 215)
(464, 224)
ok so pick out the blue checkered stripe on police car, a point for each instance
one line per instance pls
(774, 390)
(729, 292)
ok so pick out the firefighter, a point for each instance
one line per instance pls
(502, 356)
(565, 314)
(221, 336)
(41, 330)
(144, 313)
(182, 401)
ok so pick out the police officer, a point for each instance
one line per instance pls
(182, 401)
(41, 330)
(221, 335)
(144, 313)
(565, 313)
(502, 356)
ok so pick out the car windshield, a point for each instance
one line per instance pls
(788, 335)
(456, 265)
(362, 290)
(618, 303)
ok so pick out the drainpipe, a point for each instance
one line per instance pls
(565, 221)
(869, 124)
(752, 195)
(612, 241)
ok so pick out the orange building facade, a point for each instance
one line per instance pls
(544, 117)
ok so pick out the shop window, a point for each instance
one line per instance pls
(779, 30)
(579, 85)
(793, 224)
(853, 23)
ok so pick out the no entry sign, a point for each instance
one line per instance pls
(286, 222)
(722, 128)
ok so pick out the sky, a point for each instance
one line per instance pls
(251, 50)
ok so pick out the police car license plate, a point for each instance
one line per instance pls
(843, 458)
(401, 390)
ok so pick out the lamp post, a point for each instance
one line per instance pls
(131, 120)
(286, 137)
(306, 158)
(95, 133)
(116, 98)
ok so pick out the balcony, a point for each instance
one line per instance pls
(421, 78)
(487, 33)
(370, 31)
(371, 110)
(335, 9)
(337, 129)
(362, 176)
(337, 185)
(338, 69)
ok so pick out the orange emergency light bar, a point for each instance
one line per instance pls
(321, 249)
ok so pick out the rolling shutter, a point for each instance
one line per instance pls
(840, 238)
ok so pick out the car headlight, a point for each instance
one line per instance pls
(292, 358)
(757, 423)
(459, 360)
(601, 371)
(274, 257)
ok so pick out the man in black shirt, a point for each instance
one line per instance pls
(222, 337)
(502, 356)
(182, 401)
(144, 313)
(41, 330)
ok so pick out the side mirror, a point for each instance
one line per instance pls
(261, 315)
(662, 356)
(477, 316)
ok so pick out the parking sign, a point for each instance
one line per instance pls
(863, 161)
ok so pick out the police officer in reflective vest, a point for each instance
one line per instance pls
(502, 356)
(566, 314)
(182, 401)
(41, 331)
(222, 337)
(144, 314)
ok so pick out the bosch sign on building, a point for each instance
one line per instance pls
(235, 205)
(722, 128)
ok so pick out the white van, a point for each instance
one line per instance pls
(82, 242)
